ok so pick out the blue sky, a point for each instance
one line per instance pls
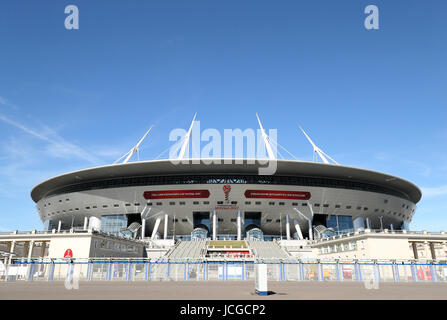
(75, 99)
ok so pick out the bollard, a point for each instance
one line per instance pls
(261, 280)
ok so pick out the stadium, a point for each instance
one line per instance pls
(161, 199)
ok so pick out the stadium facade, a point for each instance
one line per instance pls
(162, 199)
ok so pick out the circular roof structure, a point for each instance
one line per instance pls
(289, 168)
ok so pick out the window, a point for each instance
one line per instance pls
(137, 204)
(258, 202)
(278, 220)
(172, 203)
(127, 204)
(184, 220)
(341, 224)
(304, 204)
(219, 202)
(271, 203)
(348, 207)
(295, 204)
(281, 203)
(116, 205)
(316, 204)
(206, 202)
(105, 206)
(195, 202)
(233, 220)
(233, 202)
(113, 224)
(87, 208)
(268, 220)
(182, 203)
(247, 202)
(220, 220)
(159, 203)
(149, 204)
(325, 205)
(337, 206)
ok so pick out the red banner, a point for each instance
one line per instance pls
(276, 194)
(176, 194)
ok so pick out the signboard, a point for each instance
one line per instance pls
(68, 254)
(176, 194)
(277, 194)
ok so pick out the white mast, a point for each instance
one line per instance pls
(266, 141)
(317, 150)
(185, 143)
(132, 151)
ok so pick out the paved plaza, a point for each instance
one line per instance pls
(216, 290)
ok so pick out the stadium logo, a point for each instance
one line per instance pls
(226, 189)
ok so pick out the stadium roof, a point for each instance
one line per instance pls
(167, 167)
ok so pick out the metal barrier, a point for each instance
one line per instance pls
(145, 270)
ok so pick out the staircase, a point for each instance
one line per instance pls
(267, 250)
(188, 250)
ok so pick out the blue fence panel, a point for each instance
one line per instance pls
(224, 271)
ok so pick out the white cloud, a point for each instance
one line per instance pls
(5, 102)
(435, 191)
(57, 146)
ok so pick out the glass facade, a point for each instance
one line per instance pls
(255, 233)
(199, 233)
(201, 220)
(115, 224)
(340, 224)
(49, 225)
(252, 220)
